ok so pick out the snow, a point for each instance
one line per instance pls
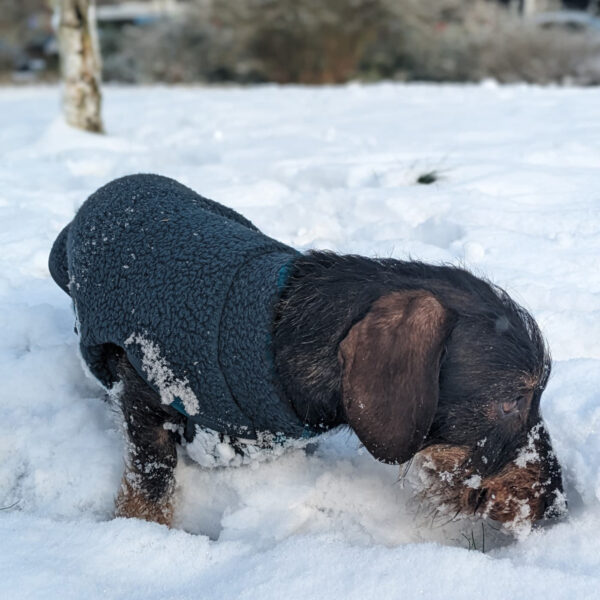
(159, 373)
(518, 199)
(211, 449)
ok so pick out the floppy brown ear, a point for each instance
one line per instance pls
(390, 370)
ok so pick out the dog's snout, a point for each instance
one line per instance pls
(514, 487)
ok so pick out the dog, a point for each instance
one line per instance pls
(201, 325)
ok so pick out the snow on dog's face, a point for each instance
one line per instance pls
(521, 492)
(454, 374)
(488, 452)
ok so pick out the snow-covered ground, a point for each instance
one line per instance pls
(518, 199)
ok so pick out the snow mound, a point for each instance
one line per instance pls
(517, 198)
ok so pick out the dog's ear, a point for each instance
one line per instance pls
(390, 369)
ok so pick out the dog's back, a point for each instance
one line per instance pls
(185, 287)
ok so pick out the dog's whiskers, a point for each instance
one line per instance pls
(480, 499)
(407, 467)
(453, 518)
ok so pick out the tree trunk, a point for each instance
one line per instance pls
(530, 7)
(80, 63)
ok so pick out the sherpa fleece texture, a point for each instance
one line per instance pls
(187, 288)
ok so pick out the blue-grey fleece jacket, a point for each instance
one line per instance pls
(187, 288)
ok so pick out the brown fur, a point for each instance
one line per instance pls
(132, 503)
(390, 365)
(148, 482)
(514, 495)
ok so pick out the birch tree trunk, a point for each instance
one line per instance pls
(528, 7)
(80, 64)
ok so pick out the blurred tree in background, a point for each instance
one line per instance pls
(310, 41)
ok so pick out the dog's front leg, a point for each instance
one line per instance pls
(148, 482)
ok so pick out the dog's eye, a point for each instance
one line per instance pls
(509, 406)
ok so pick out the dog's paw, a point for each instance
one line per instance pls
(132, 503)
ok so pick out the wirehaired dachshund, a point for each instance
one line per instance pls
(200, 324)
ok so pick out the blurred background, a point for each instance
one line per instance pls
(316, 42)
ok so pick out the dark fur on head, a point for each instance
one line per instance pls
(493, 366)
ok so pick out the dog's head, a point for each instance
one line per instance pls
(455, 375)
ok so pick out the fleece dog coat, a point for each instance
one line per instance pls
(187, 288)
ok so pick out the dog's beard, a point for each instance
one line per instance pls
(520, 493)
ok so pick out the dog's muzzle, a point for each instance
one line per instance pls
(524, 491)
